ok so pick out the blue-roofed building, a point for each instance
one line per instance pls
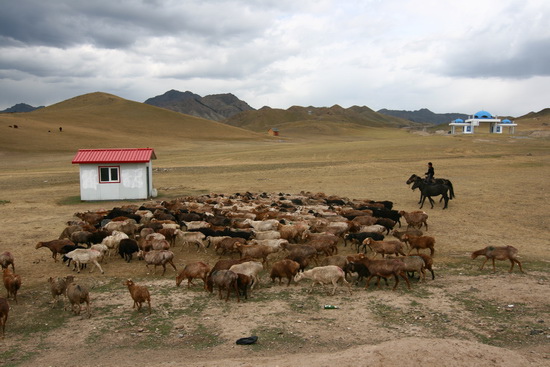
(468, 126)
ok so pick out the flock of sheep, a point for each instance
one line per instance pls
(299, 234)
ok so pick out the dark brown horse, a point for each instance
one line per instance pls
(441, 181)
(427, 190)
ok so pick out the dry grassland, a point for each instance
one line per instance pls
(463, 317)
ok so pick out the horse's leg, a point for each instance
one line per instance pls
(431, 201)
(423, 199)
(444, 196)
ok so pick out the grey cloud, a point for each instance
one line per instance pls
(531, 58)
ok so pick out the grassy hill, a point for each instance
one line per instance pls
(323, 120)
(100, 120)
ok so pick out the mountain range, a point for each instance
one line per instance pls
(424, 116)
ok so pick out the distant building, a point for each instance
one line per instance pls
(495, 124)
(273, 131)
(115, 174)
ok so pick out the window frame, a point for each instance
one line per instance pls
(110, 170)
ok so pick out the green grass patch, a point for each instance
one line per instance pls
(203, 338)
(2, 202)
(69, 200)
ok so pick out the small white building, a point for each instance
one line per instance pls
(115, 174)
(496, 125)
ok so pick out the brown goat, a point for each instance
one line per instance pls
(55, 246)
(12, 282)
(4, 311)
(7, 259)
(419, 242)
(224, 280)
(384, 247)
(499, 253)
(192, 271)
(139, 294)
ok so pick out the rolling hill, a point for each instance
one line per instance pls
(100, 120)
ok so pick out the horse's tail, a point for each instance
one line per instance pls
(451, 191)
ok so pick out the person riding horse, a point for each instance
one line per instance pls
(429, 176)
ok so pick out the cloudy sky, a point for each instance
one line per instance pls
(447, 56)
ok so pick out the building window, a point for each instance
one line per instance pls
(109, 174)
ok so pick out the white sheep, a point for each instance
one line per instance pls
(113, 241)
(250, 268)
(324, 275)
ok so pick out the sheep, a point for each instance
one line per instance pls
(293, 232)
(139, 294)
(128, 227)
(85, 256)
(385, 268)
(188, 238)
(78, 294)
(324, 275)
(277, 245)
(81, 237)
(419, 242)
(338, 260)
(414, 263)
(267, 235)
(303, 254)
(4, 311)
(159, 257)
(6, 258)
(399, 234)
(358, 238)
(285, 268)
(415, 219)
(103, 250)
(384, 247)
(387, 223)
(192, 271)
(12, 282)
(113, 241)
(376, 228)
(58, 286)
(263, 225)
(428, 263)
(196, 225)
(243, 283)
(250, 268)
(499, 253)
(223, 279)
(126, 248)
(255, 251)
(228, 245)
(55, 246)
(214, 240)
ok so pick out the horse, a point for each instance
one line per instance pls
(428, 190)
(442, 181)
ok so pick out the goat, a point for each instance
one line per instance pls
(6, 258)
(139, 294)
(499, 253)
(324, 275)
(58, 286)
(414, 263)
(419, 242)
(12, 282)
(415, 219)
(126, 248)
(4, 311)
(188, 238)
(55, 246)
(85, 256)
(113, 241)
(78, 294)
(192, 271)
(255, 251)
(285, 268)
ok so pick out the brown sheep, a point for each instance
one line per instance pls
(499, 253)
(12, 282)
(419, 242)
(224, 280)
(4, 311)
(255, 251)
(384, 269)
(192, 271)
(7, 259)
(415, 219)
(384, 247)
(139, 294)
(78, 294)
(284, 269)
(58, 286)
(55, 246)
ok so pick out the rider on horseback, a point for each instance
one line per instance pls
(429, 176)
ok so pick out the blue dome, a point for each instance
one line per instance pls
(483, 115)
(459, 120)
(506, 121)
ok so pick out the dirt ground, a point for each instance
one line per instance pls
(464, 317)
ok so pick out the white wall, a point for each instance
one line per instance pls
(133, 182)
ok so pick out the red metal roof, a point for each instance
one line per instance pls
(140, 155)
